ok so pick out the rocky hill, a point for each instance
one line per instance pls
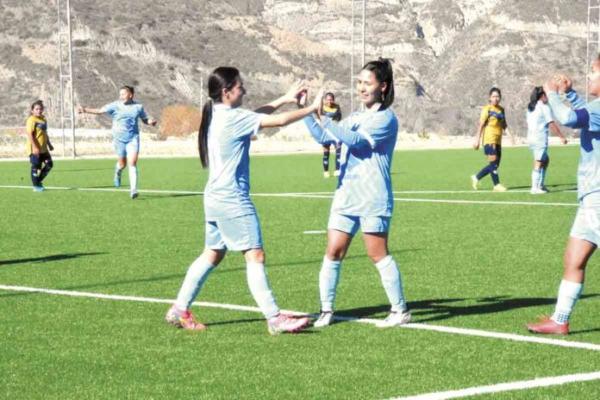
(447, 53)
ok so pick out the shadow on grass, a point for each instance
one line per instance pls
(155, 196)
(569, 186)
(54, 257)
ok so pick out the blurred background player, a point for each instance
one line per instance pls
(231, 220)
(492, 123)
(331, 110)
(539, 122)
(585, 233)
(363, 199)
(125, 113)
(38, 145)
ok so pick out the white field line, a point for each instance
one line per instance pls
(308, 195)
(314, 232)
(505, 387)
(435, 328)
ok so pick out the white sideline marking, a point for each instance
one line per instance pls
(314, 232)
(505, 387)
(309, 195)
(435, 328)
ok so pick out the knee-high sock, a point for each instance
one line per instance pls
(119, 169)
(35, 174)
(338, 154)
(543, 176)
(328, 280)
(568, 293)
(192, 283)
(494, 173)
(392, 282)
(326, 160)
(133, 178)
(260, 289)
(46, 169)
(536, 175)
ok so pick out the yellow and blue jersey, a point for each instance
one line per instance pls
(494, 119)
(332, 112)
(39, 128)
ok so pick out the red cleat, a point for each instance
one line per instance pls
(547, 326)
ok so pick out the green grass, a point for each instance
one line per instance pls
(485, 266)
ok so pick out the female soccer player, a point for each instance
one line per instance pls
(38, 145)
(492, 124)
(332, 110)
(126, 135)
(585, 233)
(539, 122)
(363, 198)
(231, 220)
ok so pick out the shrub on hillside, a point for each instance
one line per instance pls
(179, 120)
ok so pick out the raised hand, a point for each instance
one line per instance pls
(551, 86)
(318, 101)
(564, 83)
(293, 93)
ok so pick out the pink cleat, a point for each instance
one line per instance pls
(547, 326)
(284, 323)
(183, 319)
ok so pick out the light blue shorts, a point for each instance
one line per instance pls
(124, 148)
(351, 223)
(587, 220)
(237, 234)
(540, 153)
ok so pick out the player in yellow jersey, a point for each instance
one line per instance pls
(492, 124)
(332, 110)
(38, 145)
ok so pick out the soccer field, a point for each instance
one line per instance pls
(86, 275)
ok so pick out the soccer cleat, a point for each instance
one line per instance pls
(499, 188)
(396, 318)
(547, 326)
(117, 179)
(286, 324)
(183, 319)
(474, 182)
(326, 174)
(538, 191)
(336, 173)
(325, 319)
(134, 195)
(38, 188)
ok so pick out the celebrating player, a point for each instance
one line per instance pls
(539, 122)
(38, 145)
(492, 123)
(585, 233)
(363, 199)
(231, 220)
(332, 110)
(126, 135)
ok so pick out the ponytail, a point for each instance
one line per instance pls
(203, 132)
(382, 68)
(536, 94)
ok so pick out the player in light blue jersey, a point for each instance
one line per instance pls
(363, 198)
(585, 233)
(539, 122)
(231, 221)
(126, 135)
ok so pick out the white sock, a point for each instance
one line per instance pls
(119, 169)
(260, 289)
(192, 283)
(536, 176)
(328, 280)
(392, 282)
(133, 177)
(568, 293)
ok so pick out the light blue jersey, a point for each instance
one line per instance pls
(125, 119)
(537, 125)
(584, 116)
(365, 185)
(227, 192)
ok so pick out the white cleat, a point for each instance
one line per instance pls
(326, 174)
(336, 173)
(325, 319)
(538, 191)
(474, 182)
(286, 324)
(396, 318)
(499, 188)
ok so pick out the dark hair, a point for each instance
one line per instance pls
(221, 78)
(130, 89)
(495, 89)
(536, 94)
(382, 68)
(330, 94)
(37, 103)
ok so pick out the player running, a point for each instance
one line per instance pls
(125, 113)
(363, 198)
(38, 146)
(231, 220)
(331, 110)
(539, 122)
(492, 123)
(585, 233)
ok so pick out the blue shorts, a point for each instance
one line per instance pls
(492, 150)
(540, 153)
(587, 220)
(351, 223)
(237, 234)
(124, 148)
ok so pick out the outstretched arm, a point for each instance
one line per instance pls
(285, 118)
(89, 110)
(290, 97)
